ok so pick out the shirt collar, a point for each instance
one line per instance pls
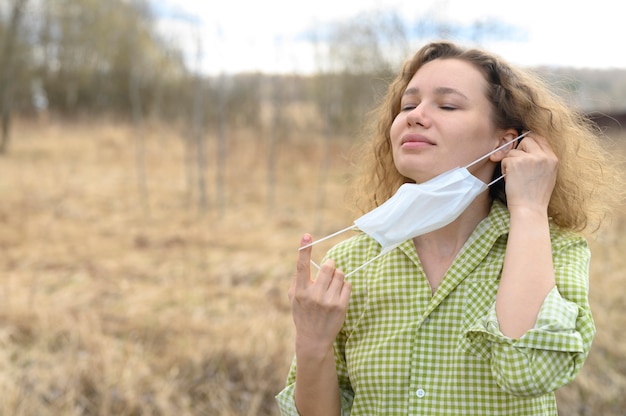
(499, 218)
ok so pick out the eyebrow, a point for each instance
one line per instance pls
(438, 91)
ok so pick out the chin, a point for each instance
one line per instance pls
(420, 177)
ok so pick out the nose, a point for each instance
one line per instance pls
(418, 116)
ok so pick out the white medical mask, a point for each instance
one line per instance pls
(417, 209)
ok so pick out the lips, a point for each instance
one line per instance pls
(415, 140)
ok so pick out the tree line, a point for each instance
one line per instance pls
(105, 57)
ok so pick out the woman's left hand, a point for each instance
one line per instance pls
(530, 171)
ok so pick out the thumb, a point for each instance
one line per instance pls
(303, 264)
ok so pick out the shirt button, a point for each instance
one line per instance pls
(420, 393)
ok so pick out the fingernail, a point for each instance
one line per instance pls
(306, 239)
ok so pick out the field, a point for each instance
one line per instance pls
(124, 297)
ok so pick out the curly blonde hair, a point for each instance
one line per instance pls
(586, 177)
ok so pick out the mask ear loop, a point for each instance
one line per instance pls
(352, 227)
(382, 253)
(362, 266)
(518, 138)
(327, 237)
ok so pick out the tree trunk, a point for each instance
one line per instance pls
(7, 71)
(137, 113)
(222, 154)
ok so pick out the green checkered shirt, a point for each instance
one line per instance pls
(404, 351)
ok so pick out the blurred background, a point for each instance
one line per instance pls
(159, 161)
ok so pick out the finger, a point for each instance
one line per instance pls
(538, 146)
(544, 144)
(346, 290)
(337, 282)
(303, 264)
(526, 147)
(534, 144)
(326, 274)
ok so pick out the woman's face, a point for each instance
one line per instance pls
(444, 122)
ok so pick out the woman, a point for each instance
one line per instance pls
(488, 314)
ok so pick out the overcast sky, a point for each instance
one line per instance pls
(270, 35)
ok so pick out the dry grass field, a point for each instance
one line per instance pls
(118, 302)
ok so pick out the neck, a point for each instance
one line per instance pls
(447, 241)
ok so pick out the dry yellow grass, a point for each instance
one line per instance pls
(112, 304)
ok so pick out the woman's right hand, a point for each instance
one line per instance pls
(318, 306)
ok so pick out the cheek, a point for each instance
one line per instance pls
(396, 129)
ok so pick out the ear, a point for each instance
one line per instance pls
(504, 137)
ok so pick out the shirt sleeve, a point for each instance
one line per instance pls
(552, 353)
(286, 398)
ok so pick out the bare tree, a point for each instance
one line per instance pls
(273, 139)
(137, 111)
(222, 121)
(198, 131)
(8, 70)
